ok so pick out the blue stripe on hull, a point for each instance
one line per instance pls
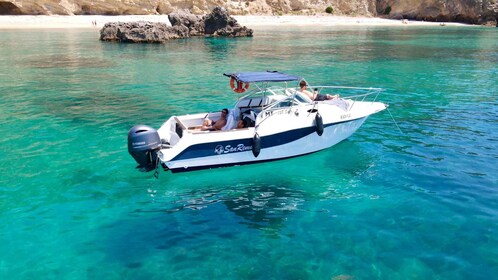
(241, 145)
(196, 168)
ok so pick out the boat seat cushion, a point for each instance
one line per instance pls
(244, 103)
(253, 103)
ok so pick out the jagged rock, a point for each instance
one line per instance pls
(141, 32)
(217, 23)
(218, 19)
(194, 23)
(230, 31)
(183, 17)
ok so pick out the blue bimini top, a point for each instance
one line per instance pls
(268, 76)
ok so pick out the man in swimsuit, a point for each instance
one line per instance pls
(247, 119)
(216, 125)
(315, 96)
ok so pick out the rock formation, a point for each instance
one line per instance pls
(141, 32)
(184, 24)
(469, 11)
(192, 22)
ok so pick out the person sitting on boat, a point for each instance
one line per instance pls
(247, 119)
(315, 96)
(216, 125)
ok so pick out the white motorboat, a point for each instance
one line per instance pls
(287, 123)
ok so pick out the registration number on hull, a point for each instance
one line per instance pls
(345, 116)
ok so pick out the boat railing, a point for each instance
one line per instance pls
(362, 94)
(350, 92)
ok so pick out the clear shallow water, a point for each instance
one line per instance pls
(381, 205)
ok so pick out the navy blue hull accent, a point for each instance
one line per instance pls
(196, 168)
(241, 145)
(215, 148)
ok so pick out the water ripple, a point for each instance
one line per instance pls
(382, 204)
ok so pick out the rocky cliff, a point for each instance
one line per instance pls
(469, 11)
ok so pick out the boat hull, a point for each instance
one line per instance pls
(238, 149)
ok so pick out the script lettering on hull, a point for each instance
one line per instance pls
(220, 149)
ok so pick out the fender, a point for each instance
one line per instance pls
(256, 145)
(319, 124)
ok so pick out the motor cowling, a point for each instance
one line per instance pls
(143, 144)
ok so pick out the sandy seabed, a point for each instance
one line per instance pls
(28, 22)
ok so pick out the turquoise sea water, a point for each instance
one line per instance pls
(422, 204)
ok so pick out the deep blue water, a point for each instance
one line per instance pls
(384, 204)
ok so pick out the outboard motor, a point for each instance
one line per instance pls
(143, 144)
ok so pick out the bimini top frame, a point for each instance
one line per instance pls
(268, 76)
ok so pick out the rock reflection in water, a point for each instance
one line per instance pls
(261, 207)
(266, 206)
